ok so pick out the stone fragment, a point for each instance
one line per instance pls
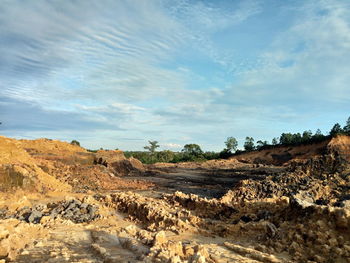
(159, 238)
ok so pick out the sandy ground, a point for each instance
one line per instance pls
(59, 203)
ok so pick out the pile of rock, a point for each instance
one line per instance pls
(74, 210)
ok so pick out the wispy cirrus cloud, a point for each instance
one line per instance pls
(175, 70)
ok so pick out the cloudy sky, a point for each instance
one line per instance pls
(115, 74)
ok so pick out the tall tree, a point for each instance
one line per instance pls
(274, 141)
(192, 149)
(336, 130)
(261, 144)
(307, 135)
(286, 138)
(318, 132)
(347, 127)
(249, 144)
(231, 144)
(153, 145)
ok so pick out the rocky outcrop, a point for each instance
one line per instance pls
(336, 159)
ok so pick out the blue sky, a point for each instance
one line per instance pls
(115, 74)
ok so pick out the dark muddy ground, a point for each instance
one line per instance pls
(210, 183)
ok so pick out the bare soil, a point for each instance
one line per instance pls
(60, 203)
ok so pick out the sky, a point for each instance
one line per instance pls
(117, 73)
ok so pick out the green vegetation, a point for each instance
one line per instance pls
(153, 145)
(346, 128)
(193, 152)
(75, 142)
(231, 145)
(168, 156)
(261, 144)
(249, 144)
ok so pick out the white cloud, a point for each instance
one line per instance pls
(119, 62)
(171, 145)
(307, 62)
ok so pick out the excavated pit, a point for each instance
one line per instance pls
(60, 203)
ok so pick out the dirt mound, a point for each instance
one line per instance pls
(19, 169)
(48, 146)
(56, 150)
(340, 146)
(335, 160)
(280, 155)
(45, 165)
(284, 155)
(85, 178)
(118, 164)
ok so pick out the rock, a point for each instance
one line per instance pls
(35, 217)
(301, 203)
(263, 215)
(159, 238)
(198, 258)
(175, 259)
(3, 232)
(131, 229)
(3, 251)
(271, 230)
(53, 214)
(45, 219)
(92, 210)
(246, 219)
(341, 218)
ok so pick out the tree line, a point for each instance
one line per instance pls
(190, 152)
(193, 152)
(293, 139)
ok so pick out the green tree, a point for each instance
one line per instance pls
(307, 135)
(211, 155)
(165, 156)
(336, 130)
(249, 144)
(192, 149)
(347, 127)
(75, 142)
(231, 144)
(153, 145)
(274, 141)
(261, 144)
(318, 133)
(286, 138)
(296, 139)
(318, 136)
